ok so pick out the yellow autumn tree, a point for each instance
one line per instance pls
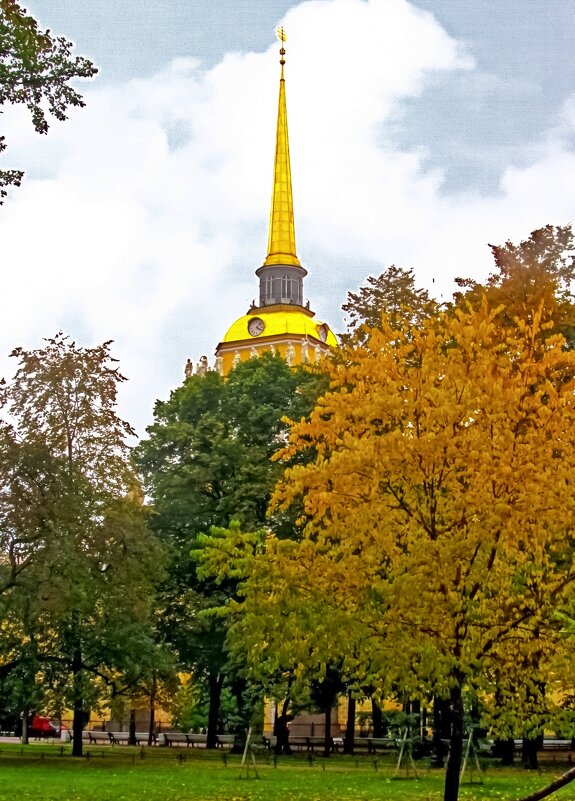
(436, 481)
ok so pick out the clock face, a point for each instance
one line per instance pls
(256, 326)
(322, 332)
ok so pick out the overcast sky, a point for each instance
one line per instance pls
(419, 131)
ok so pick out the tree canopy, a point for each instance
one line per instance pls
(36, 69)
(439, 516)
(207, 458)
(538, 273)
(78, 562)
(392, 293)
(207, 462)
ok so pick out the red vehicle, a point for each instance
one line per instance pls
(40, 726)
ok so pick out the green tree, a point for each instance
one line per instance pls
(79, 560)
(207, 461)
(276, 660)
(392, 293)
(35, 70)
(30, 499)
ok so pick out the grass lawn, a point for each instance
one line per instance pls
(43, 773)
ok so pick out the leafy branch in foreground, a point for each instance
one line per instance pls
(35, 71)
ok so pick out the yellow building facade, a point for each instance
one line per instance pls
(282, 321)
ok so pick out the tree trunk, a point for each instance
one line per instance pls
(377, 718)
(24, 739)
(78, 705)
(505, 750)
(441, 731)
(529, 748)
(327, 734)
(416, 712)
(416, 730)
(238, 688)
(451, 790)
(350, 725)
(132, 728)
(281, 730)
(216, 681)
(152, 718)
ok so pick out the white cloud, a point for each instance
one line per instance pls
(144, 216)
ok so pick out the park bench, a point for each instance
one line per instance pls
(170, 738)
(182, 738)
(142, 738)
(298, 743)
(556, 744)
(549, 744)
(197, 739)
(119, 737)
(362, 744)
(312, 744)
(225, 740)
(375, 744)
(262, 742)
(122, 737)
(97, 737)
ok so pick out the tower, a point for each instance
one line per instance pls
(281, 321)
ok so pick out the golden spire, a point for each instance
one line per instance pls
(281, 237)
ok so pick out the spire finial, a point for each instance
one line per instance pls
(281, 34)
(281, 240)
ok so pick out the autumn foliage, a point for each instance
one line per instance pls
(439, 514)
